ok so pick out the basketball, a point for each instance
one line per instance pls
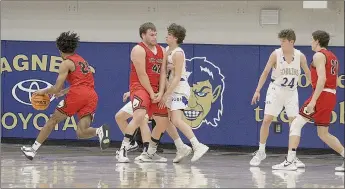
(40, 102)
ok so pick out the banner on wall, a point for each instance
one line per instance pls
(222, 80)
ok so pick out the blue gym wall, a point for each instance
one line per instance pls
(230, 121)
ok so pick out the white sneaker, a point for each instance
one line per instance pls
(182, 153)
(121, 156)
(133, 147)
(299, 163)
(141, 156)
(286, 165)
(29, 152)
(103, 135)
(258, 157)
(340, 168)
(145, 157)
(199, 151)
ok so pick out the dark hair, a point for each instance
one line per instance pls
(67, 42)
(146, 26)
(321, 36)
(177, 31)
(288, 34)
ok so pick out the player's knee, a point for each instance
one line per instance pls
(267, 120)
(119, 116)
(322, 133)
(296, 126)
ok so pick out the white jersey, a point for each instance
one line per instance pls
(284, 74)
(179, 97)
(183, 85)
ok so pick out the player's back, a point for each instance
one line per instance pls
(331, 68)
(153, 62)
(287, 74)
(82, 75)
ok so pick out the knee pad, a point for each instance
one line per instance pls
(297, 125)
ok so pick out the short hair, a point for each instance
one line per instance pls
(146, 26)
(177, 31)
(67, 42)
(288, 34)
(322, 36)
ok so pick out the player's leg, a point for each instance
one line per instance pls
(332, 141)
(162, 121)
(56, 118)
(159, 147)
(86, 115)
(123, 115)
(121, 118)
(294, 137)
(291, 107)
(140, 103)
(273, 106)
(177, 120)
(146, 137)
(182, 150)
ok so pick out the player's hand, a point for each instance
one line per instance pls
(256, 97)
(40, 92)
(125, 96)
(164, 99)
(153, 96)
(158, 97)
(310, 108)
(60, 94)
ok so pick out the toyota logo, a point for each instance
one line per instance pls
(23, 90)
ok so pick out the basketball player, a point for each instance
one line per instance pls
(319, 106)
(126, 112)
(178, 91)
(81, 98)
(147, 83)
(286, 63)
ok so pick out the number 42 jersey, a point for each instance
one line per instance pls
(287, 74)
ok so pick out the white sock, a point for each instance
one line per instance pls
(125, 143)
(152, 149)
(262, 147)
(194, 141)
(178, 143)
(342, 153)
(291, 156)
(36, 145)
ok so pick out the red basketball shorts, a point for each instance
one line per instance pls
(80, 101)
(141, 100)
(325, 104)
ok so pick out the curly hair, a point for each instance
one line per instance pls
(177, 31)
(67, 42)
(288, 34)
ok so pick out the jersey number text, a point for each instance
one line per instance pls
(287, 83)
(334, 68)
(84, 66)
(156, 68)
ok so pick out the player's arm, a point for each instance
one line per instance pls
(270, 63)
(138, 58)
(319, 61)
(163, 73)
(63, 72)
(304, 65)
(178, 60)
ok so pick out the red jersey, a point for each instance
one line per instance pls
(82, 75)
(153, 68)
(331, 67)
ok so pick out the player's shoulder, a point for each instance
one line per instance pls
(319, 55)
(138, 49)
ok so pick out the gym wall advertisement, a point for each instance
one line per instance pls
(223, 80)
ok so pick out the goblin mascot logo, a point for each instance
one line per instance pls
(205, 104)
